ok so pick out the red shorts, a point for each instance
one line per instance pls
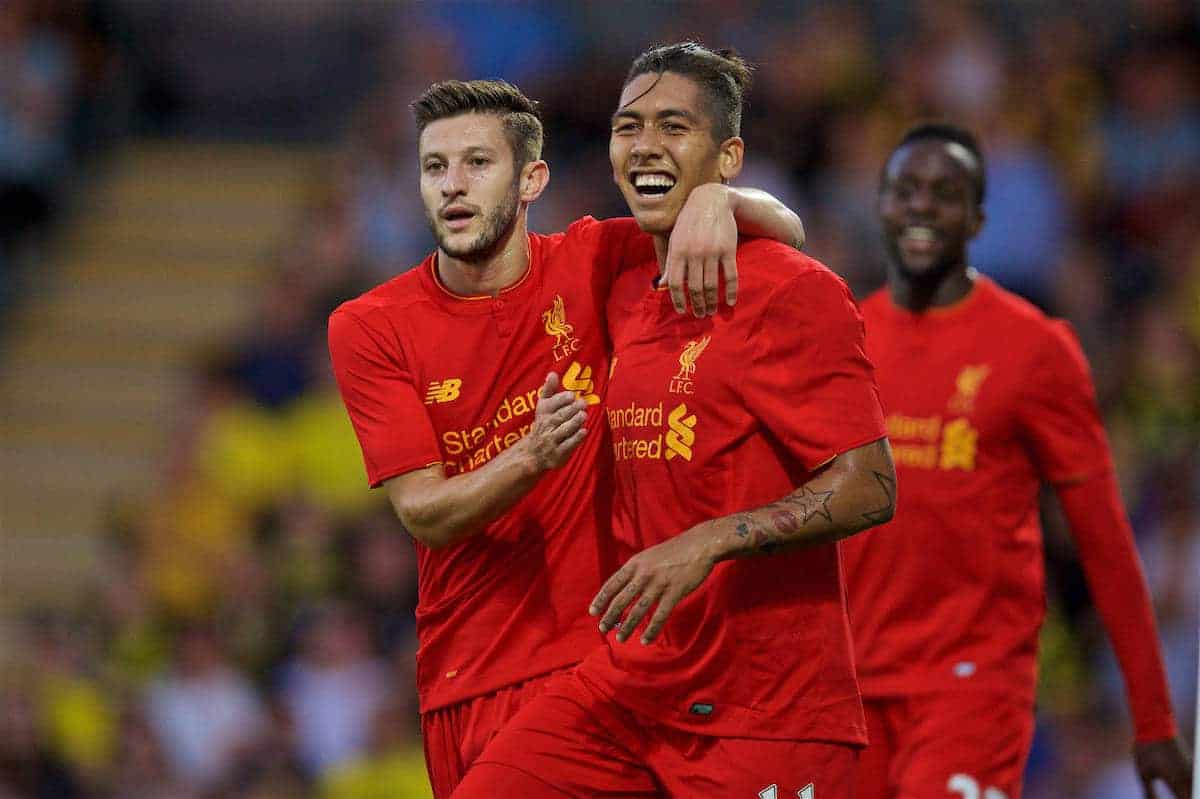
(573, 741)
(455, 735)
(957, 746)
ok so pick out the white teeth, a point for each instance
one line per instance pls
(920, 233)
(644, 180)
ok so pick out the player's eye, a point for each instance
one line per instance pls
(624, 127)
(479, 161)
(434, 167)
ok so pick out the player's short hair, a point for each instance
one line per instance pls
(519, 114)
(723, 76)
(949, 132)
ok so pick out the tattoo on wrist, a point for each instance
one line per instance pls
(744, 522)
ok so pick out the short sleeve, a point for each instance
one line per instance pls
(393, 428)
(609, 247)
(1059, 417)
(810, 381)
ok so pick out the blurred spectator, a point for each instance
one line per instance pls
(332, 688)
(27, 767)
(37, 78)
(77, 716)
(206, 714)
(384, 580)
(141, 770)
(393, 767)
(1022, 243)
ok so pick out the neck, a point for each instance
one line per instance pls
(660, 250)
(920, 295)
(502, 266)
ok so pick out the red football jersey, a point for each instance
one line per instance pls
(723, 414)
(984, 400)
(430, 377)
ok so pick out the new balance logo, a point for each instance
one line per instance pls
(772, 792)
(443, 391)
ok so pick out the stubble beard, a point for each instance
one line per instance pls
(931, 276)
(497, 226)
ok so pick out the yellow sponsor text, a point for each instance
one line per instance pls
(919, 456)
(918, 428)
(636, 416)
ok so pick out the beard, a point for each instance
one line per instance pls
(929, 276)
(496, 226)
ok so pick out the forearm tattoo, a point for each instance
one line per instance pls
(785, 519)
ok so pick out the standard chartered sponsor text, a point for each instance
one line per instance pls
(639, 432)
(481, 443)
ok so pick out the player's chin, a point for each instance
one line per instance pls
(655, 221)
(461, 246)
(916, 266)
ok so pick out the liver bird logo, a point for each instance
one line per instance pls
(970, 379)
(967, 386)
(687, 359)
(556, 321)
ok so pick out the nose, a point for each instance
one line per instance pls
(647, 141)
(920, 201)
(454, 182)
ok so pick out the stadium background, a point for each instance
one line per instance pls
(199, 598)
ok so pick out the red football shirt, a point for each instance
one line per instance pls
(723, 414)
(984, 400)
(429, 377)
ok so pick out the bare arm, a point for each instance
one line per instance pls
(704, 241)
(439, 510)
(855, 491)
(759, 213)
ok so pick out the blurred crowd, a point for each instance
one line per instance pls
(57, 64)
(251, 632)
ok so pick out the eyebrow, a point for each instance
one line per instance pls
(477, 149)
(625, 113)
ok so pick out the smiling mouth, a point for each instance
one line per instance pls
(918, 237)
(653, 184)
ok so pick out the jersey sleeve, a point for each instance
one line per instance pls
(1061, 422)
(609, 247)
(810, 381)
(1059, 417)
(1118, 587)
(393, 428)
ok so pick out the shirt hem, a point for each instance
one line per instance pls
(431, 701)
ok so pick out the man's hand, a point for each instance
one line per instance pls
(664, 573)
(557, 426)
(702, 246)
(1166, 761)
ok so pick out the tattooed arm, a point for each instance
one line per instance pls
(855, 491)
